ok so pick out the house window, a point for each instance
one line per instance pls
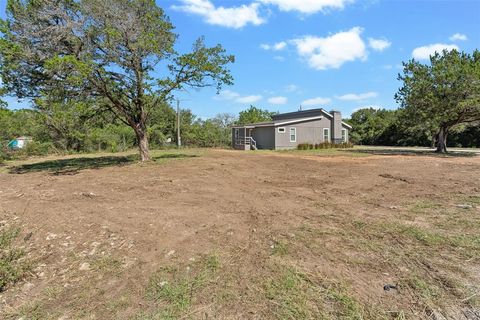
(326, 135)
(293, 134)
(281, 130)
(344, 135)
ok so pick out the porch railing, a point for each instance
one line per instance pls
(246, 141)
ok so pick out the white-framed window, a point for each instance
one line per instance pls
(237, 133)
(293, 134)
(326, 135)
(344, 135)
(281, 130)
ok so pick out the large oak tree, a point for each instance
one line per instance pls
(442, 94)
(119, 52)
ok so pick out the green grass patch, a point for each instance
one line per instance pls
(280, 248)
(473, 200)
(106, 263)
(423, 206)
(13, 265)
(423, 291)
(175, 288)
(295, 295)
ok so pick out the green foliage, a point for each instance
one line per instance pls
(103, 50)
(372, 126)
(215, 132)
(443, 94)
(254, 115)
(395, 128)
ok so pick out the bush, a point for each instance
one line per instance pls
(3, 156)
(324, 145)
(303, 146)
(35, 148)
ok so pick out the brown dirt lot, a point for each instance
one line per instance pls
(216, 234)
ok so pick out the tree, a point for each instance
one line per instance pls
(109, 49)
(442, 94)
(369, 125)
(253, 115)
(67, 121)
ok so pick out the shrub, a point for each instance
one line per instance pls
(324, 145)
(3, 156)
(35, 148)
(303, 146)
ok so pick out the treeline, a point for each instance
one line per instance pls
(396, 128)
(80, 127)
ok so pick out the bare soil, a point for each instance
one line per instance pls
(218, 234)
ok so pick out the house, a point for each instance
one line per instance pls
(288, 130)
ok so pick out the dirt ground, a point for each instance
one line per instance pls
(219, 234)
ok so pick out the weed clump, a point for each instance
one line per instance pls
(13, 266)
(176, 288)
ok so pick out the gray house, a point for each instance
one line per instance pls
(287, 130)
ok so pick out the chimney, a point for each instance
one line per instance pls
(336, 134)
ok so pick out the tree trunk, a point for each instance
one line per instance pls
(434, 140)
(142, 140)
(442, 140)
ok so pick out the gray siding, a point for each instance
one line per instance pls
(348, 132)
(307, 132)
(265, 137)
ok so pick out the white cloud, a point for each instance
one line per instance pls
(249, 99)
(291, 88)
(279, 58)
(307, 6)
(237, 97)
(277, 100)
(227, 95)
(233, 17)
(379, 44)
(333, 51)
(367, 107)
(458, 37)
(424, 53)
(316, 101)
(358, 97)
(275, 47)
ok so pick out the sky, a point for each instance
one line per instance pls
(335, 54)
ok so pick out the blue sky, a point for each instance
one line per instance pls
(335, 54)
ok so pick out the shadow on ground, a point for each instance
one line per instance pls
(411, 152)
(74, 165)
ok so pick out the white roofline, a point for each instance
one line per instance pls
(297, 120)
(278, 124)
(347, 125)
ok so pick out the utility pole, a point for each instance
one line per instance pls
(179, 141)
